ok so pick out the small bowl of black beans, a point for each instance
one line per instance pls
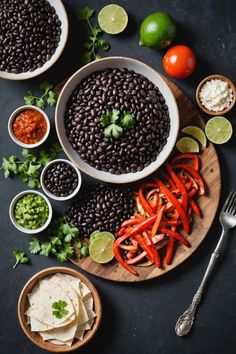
(60, 180)
(33, 36)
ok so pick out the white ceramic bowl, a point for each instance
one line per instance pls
(139, 67)
(61, 13)
(12, 209)
(49, 194)
(12, 118)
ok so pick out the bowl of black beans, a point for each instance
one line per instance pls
(32, 37)
(117, 120)
(60, 180)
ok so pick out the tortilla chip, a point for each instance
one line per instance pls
(58, 342)
(62, 334)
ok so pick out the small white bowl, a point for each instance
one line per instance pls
(149, 73)
(13, 117)
(62, 15)
(12, 209)
(48, 193)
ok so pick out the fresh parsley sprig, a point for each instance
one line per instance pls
(94, 43)
(20, 256)
(59, 243)
(48, 97)
(59, 309)
(114, 122)
(28, 169)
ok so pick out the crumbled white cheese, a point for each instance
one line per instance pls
(216, 95)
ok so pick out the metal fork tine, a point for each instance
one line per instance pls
(231, 203)
(226, 203)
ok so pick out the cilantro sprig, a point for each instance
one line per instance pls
(59, 309)
(59, 242)
(115, 121)
(20, 256)
(28, 169)
(48, 97)
(94, 43)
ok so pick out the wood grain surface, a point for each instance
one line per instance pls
(210, 171)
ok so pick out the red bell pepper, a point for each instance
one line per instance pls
(176, 235)
(169, 180)
(146, 206)
(120, 260)
(188, 156)
(158, 220)
(194, 174)
(195, 208)
(180, 185)
(156, 256)
(170, 197)
(169, 250)
(145, 247)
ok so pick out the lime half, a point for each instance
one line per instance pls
(197, 133)
(218, 130)
(187, 145)
(101, 249)
(113, 19)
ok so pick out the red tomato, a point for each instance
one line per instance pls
(179, 61)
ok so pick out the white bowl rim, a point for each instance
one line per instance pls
(106, 176)
(13, 116)
(12, 207)
(48, 193)
(48, 64)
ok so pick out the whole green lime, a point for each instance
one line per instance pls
(157, 30)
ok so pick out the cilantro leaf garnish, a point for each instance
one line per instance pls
(59, 309)
(114, 122)
(34, 245)
(20, 256)
(28, 170)
(93, 43)
(48, 97)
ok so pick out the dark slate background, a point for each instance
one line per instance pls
(137, 318)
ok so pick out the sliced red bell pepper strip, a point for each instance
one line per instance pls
(128, 247)
(154, 202)
(120, 260)
(132, 221)
(145, 247)
(191, 193)
(188, 156)
(175, 203)
(155, 253)
(146, 206)
(121, 231)
(158, 220)
(176, 235)
(169, 180)
(194, 174)
(195, 208)
(169, 250)
(179, 184)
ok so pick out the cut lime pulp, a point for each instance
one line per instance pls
(218, 130)
(196, 133)
(112, 19)
(187, 145)
(101, 250)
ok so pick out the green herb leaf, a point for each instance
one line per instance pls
(45, 86)
(29, 98)
(96, 30)
(113, 130)
(46, 249)
(34, 245)
(40, 103)
(51, 98)
(9, 165)
(59, 309)
(84, 14)
(103, 44)
(105, 120)
(20, 256)
(29, 155)
(127, 120)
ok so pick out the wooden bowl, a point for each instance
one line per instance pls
(219, 77)
(23, 304)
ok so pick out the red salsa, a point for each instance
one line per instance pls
(30, 126)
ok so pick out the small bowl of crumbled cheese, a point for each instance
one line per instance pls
(216, 95)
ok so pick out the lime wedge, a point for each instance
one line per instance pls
(197, 133)
(101, 250)
(112, 19)
(93, 234)
(187, 145)
(218, 130)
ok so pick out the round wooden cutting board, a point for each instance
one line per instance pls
(210, 171)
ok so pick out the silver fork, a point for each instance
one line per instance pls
(228, 221)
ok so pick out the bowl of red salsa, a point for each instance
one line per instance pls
(28, 126)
